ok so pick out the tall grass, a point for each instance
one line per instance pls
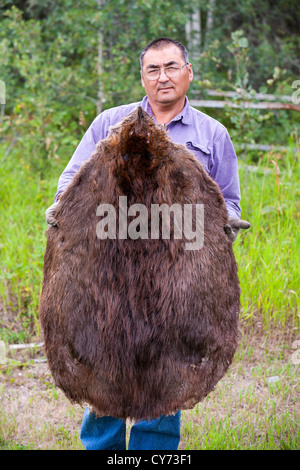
(245, 411)
(267, 254)
(24, 195)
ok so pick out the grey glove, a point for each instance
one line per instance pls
(235, 224)
(50, 214)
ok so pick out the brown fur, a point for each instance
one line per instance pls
(138, 328)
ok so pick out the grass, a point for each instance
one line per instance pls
(266, 254)
(24, 197)
(246, 411)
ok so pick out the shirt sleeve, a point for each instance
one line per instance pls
(97, 131)
(225, 172)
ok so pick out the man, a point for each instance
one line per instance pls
(166, 75)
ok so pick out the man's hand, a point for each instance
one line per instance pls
(235, 224)
(50, 214)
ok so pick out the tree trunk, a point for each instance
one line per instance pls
(209, 20)
(193, 33)
(100, 63)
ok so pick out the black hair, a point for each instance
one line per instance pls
(164, 42)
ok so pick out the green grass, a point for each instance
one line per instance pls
(267, 254)
(245, 411)
(11, 445)
(24, 197)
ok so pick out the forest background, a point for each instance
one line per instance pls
(61, 63)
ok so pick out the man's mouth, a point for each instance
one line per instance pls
(165, 88)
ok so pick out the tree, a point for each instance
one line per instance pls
(271, 28)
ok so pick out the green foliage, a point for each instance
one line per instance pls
(245, 122)
(137, 23)
(44, 102)
(272, 31)
(250, 47)
(49, 63)
(48, 59)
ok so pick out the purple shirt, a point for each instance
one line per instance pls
(207, 138)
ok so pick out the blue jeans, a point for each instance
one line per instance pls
(109, 433)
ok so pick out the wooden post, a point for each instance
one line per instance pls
(244, 104)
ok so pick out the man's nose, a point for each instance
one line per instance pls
(163, 77)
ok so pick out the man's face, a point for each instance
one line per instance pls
(165, 90)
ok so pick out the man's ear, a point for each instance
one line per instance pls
(191, 73)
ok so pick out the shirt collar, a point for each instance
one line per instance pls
(184, 115)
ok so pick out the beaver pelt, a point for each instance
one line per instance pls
(139, 326)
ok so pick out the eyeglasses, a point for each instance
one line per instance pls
(171, 72)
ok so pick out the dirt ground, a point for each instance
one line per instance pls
(36, 415)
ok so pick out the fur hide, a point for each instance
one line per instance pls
(138, 327)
